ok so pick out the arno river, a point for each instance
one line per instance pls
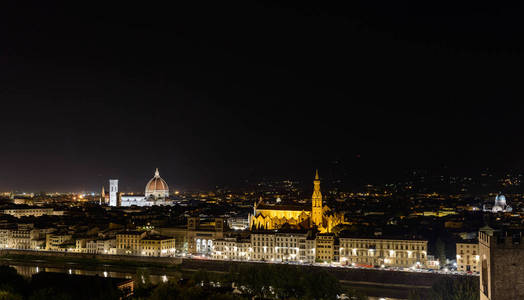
(154, 275)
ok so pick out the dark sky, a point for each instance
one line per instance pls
(213, 93)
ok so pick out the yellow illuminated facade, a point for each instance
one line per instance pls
(387, 252)
(325, 247)
(129, 242)
(157, 246)
(319, 215)
(468, 258)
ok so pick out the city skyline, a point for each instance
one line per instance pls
(261, 150)
(334, 177)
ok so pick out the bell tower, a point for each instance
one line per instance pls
(102, 196)
(316, 202)
(113, 192)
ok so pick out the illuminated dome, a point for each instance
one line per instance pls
(157, 187)
(500, 200)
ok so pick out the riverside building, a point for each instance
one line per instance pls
(383, 252)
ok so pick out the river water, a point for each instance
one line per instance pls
(153, 275)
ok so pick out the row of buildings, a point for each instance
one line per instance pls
(208, 238)
(31, 211)
(141, 243)
(285, 232)
(308, 247)
(496, 256)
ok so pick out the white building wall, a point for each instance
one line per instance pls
(113, 192)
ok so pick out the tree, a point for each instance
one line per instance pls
(190, 290)
(440, 249)
(254, 280)
(448, 288)
(261, 281)
(169, 290)
(6, 295)
(415, 295)
(49, 294)
(285, 282)
(11, 283)
(462, 288)
(201, 277)
(319, 284)
(143, 286)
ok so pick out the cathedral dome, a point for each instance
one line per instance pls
(500, 200)
(157, 187)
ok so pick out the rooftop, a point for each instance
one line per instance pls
(157, 237)
(349, 235)
(130, 233)
(293, 207)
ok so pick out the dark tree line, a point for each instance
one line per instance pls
(260, 281)
(463, 288)
(268, 281)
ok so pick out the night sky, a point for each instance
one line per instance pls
(216, 93)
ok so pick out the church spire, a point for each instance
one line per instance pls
(316, 202)
(157, 174)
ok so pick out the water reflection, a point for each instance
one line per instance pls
(28, 271)
(108, 271)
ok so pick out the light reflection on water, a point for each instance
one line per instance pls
(28, 271)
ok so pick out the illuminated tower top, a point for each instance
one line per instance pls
(316, 202)
(317, 195)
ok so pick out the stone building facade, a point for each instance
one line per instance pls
(468, 257)
(232, 249)
(501, 257)
(128, 242)
(283, 246)
(325, 246)
(382, 251)
(157, 245)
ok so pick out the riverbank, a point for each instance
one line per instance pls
(372, 281)
(29, 267)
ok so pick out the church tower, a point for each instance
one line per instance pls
(102, 196)
(316, 201)
(113, 192)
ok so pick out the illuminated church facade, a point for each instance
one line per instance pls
(156, 193)
(317, 215)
